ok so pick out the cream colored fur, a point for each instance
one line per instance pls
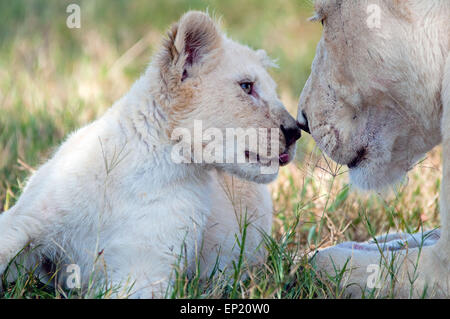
(112, 201)
(378, 99)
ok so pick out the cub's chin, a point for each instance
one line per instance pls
(258, 169)
(252, 172)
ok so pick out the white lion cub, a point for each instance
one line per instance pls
(113, 201)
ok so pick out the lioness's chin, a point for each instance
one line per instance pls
(375, 178)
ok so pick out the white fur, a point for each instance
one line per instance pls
(384, 90)
(112, 201)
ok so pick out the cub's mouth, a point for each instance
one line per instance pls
(284, 158)
(360, 156)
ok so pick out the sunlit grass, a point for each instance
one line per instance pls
(54, 80)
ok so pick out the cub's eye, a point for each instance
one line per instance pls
(247, 87)
(322, 21)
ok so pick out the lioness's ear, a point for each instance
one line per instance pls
(190, 41)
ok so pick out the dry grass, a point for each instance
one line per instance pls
(53, 80)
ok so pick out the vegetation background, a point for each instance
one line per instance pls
(54, 79)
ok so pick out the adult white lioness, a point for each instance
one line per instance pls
(114, 201)
(377, 100)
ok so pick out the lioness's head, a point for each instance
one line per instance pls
(210, 85)
(372, 101)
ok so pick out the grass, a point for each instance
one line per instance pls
(54, 79)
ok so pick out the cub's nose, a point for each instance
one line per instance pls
(291, 134)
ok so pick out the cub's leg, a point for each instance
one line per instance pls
(29, 261)
(136, 274)
(16, 255)
(144, 252)
(28, 220)
(235, 202)
(16, 231)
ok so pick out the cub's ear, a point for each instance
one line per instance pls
(190, 42)
(266, 61)
(197, 36)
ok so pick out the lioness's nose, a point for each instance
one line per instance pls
(291, 134)
(303, 123)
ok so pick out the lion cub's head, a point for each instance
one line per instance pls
(210, 88)
(373, 101)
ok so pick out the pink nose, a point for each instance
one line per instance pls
(284, 158)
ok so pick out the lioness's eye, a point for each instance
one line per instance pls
(322, 21)
(247, 87)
